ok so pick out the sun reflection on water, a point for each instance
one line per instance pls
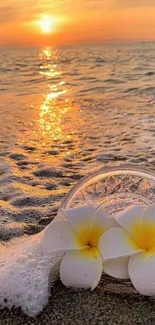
(45, 53)
(51, 116)
(55, 119)
(51, 113)
(48, 66)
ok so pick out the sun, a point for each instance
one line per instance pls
(46, 24)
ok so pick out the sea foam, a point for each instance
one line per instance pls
(27, 273)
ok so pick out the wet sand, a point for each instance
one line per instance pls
(109, 304)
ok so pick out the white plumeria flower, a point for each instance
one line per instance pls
(132, 247)
(77, 236)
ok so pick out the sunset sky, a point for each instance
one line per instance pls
(50, 22)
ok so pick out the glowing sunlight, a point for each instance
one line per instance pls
(46, 24)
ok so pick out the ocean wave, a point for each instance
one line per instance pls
(33, 71)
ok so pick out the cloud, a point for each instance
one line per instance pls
(133, 3)
(16, 10)
(25, 10)
(6, 13)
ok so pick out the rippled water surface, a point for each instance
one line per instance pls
(63, 113)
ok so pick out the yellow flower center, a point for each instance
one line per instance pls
(92, 238)
(92, 244)
(145, 237)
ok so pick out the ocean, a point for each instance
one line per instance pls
(64, 112)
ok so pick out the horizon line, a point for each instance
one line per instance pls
(70, 44)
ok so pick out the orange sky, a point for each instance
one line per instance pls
(76, 21)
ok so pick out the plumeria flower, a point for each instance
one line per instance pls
(135, 242)
(78, 236)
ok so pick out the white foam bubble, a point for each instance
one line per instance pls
(25, 273)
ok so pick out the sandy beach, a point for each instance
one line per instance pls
(109, 304)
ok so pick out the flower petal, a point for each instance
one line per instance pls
(142, 273)
(130, 219)
(117, 268)
(81, 269)
(148, 224)
(103, 222)
(59, 236)
(149, 214)
(115, 243)
(81, 220)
